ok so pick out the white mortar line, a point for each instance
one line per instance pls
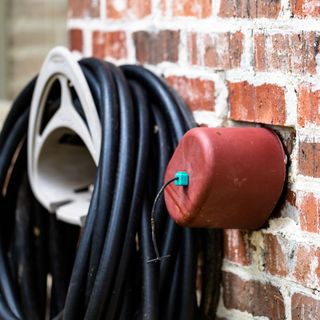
(247, 58)
(155, 9)
(103, 10)
(183, 49)
(169, 8)
(288, 229)
(131, 50)
(205, 25)
(285, 13)
(239, 75)
(309, 134)
(215, 8)
(291, 104)
(308, 184)
(87, 42)
(208, 118)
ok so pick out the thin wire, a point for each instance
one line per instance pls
(153, 224)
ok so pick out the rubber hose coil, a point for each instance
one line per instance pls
(100, 271)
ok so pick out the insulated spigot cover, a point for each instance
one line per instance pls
(236, 176)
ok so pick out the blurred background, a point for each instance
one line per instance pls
(28, 30)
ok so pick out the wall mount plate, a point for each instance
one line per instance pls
(64, 146)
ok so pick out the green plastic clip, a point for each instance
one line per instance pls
(183, 179)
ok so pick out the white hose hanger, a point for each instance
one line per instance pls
(61, 166)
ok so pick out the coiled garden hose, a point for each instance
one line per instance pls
(101, 270)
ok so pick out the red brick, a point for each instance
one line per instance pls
(76, 40)
(197, 93)
(109, 44)
(279, 54)
(305, 8)
(309, 213)
(309, 159)
(291, 197)
(193, 8)
(260, 42)
(264, 103)
(288, 198)
(303, 272)
(308, 105)
(236, 247)
(192, 48)
(131, 9)
(289, 53)
(250, 8)
(304, 307)
(84, 8)
(275, 259)
(154, 48)
(259, 299)
(223, 50)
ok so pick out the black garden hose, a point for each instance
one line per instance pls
(101, 271)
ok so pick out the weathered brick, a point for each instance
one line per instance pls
(274, 258)
(260, 51)
(109, 44)
(308, 106)
(286, 52)
(154, 48)
(309, 210)
(309, 159)
(264, 103)
(306, 272)
(304, 307)
(236, 246)
(198, 94)
(84, 8)
(130, 9)
(192, 48)
(250, 8)
(76, 40)
(194, 8)
(286, 206)
(305, 8)
(291, 197)
(259, 299)
(223, 50)
(288, 139)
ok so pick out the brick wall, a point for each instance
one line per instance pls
(237, 62)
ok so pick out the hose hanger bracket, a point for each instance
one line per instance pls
(64, 140)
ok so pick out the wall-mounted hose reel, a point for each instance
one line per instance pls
(99, 139)
(236, 174)
(96, 139)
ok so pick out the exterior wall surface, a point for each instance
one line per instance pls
(237, 62)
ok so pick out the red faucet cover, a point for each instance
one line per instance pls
(236, 176)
